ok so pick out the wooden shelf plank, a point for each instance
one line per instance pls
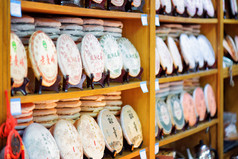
(36, 7)
(230, 21)
(234, 71)
(187, 76)
(181, 135)
(128, 154)
(173, 19)
(74, 92)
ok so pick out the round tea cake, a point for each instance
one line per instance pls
(180, 6)
(207, 50)
(92, 56)
(111, 130)
(233, 49)
(196, 51)
(188, 108)
(131, 126)
(187, 50)
(199, 100)
(236, 42)
(117, 3)
(157, 5)
(91, 137)
(208, 6)
(43, 56)
(210, 100)
(69, 59)
(131, 58)
(113, 57)
(191, 7)
(168, 5)
(163, 118)
(39, 143)
(199, 6)
(68, 140)
(18, 61)
(176, 111)
(175, 54)
(166, 60)
(157, 62)
(233, 4)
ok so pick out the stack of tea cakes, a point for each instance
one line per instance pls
(113, 102)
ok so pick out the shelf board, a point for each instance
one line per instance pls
(230, 21)
(181, 135)
(75, 93)
(234, 71)
(173, 19)
(128, 154)
(36, 7)
(187, 76)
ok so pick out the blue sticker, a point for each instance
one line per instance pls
(143, 154)
(144, 19)
(15, 106)
(15, 8)
(157, 23)
(143, 86)
(157, 85)
(156, 148)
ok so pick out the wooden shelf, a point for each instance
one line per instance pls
(234, 71)
(74, 92)
(173, 19)
(181, 135)
(128, 154)
(187, 76)
(230, 21)
(36, 7)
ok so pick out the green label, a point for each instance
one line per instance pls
(44, 44)
(14, 46)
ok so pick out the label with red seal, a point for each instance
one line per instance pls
(117, 3)
(92, 56)
(43, 56)
(69, 59)
(18, 61)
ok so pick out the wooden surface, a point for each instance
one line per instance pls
(234, 71)
(230, 21)
(181, 135)
(229, 154)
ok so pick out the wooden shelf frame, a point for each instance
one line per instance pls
(186, 133)
(230, 21)
(234, 71)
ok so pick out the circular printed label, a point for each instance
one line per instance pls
(177, 110)
(157, 62)
(210, 100)
(131, 58)
(175, 54)
(43, 55)
(191, 8)
(136, 3)
(208, 6)
(131, 126)
(18, 60)
(68, 140)
(180, 5)
(91, 137)
(92, 56)
(111, 129)
(69, 59)
(157, 5)
(188, 109)
(199, 6)
(165, 56)
(196, 51)
(98, 1)
(200, 104)
(186, 50)
(207, 50)
(164, 120)
(113, 57)
(117, 3)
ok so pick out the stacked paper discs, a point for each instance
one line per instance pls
(176, 87)
(71, 26)
(69, 108)
(23, 27)
(163, 92)
(113, 102)
(49, 26)
(196, 29)
(92, 105)
(18, 61)
(25, 118)
(45, 113)
(190, 84)
(93, 26)
(113, 28)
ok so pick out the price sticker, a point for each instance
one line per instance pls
(15, 105)
(156, 148)
(157, 23)
(15, 8)
(144, 19)
(143, 154)
(157, 85)
(143, 86)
